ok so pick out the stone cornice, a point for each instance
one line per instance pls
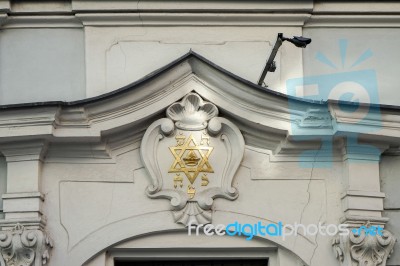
(3, 18)
(79, 20)
(41, 21)
(4, 5)
(355, 7)
(33, 150)
(192, 6)
(191, 13)
(192, 19)
(353, 21)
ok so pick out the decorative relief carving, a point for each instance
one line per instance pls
(315, 118)
(192, 157)
(21, 247)
(337, 249)
(364, 250)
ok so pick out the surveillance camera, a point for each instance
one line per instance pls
(299, 41)
(270, 66)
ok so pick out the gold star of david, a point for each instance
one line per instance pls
(191, 159)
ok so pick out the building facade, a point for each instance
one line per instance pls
(135, 131)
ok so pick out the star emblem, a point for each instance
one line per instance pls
(191, 159)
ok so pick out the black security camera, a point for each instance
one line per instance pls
(299, 41)
(270, 66)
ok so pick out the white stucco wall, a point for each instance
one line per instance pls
(113, 53)
(390, 183)
(356, 49)
(40, 65)
(117, 56)
(85, 201)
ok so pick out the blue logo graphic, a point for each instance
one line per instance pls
(280, 230)
(251, 230)
(354, 96)
(372, 230)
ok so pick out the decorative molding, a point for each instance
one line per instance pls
(316, 118)
(206, 152)
(358, 193)
(192, 19)
(80, 20)
(34, 150)
(22, 247)
(40, 7)
(23, 204)
(5, 5)
(392, 151)
(353, 21)
(192, 6)
(168, 13)
(50, 21)
(364, 250)
(3, 18)
(356, 7)
(82, 153)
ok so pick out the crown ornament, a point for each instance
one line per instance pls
(191, 159)
(192, 113)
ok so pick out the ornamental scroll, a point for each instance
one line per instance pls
(191, 158)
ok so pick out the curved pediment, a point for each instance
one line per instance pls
(265, 117)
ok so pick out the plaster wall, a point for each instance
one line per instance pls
(390, 183)
(87, 200)
(347, 50)
(40, 65)
(77, 63)
(117, 56)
